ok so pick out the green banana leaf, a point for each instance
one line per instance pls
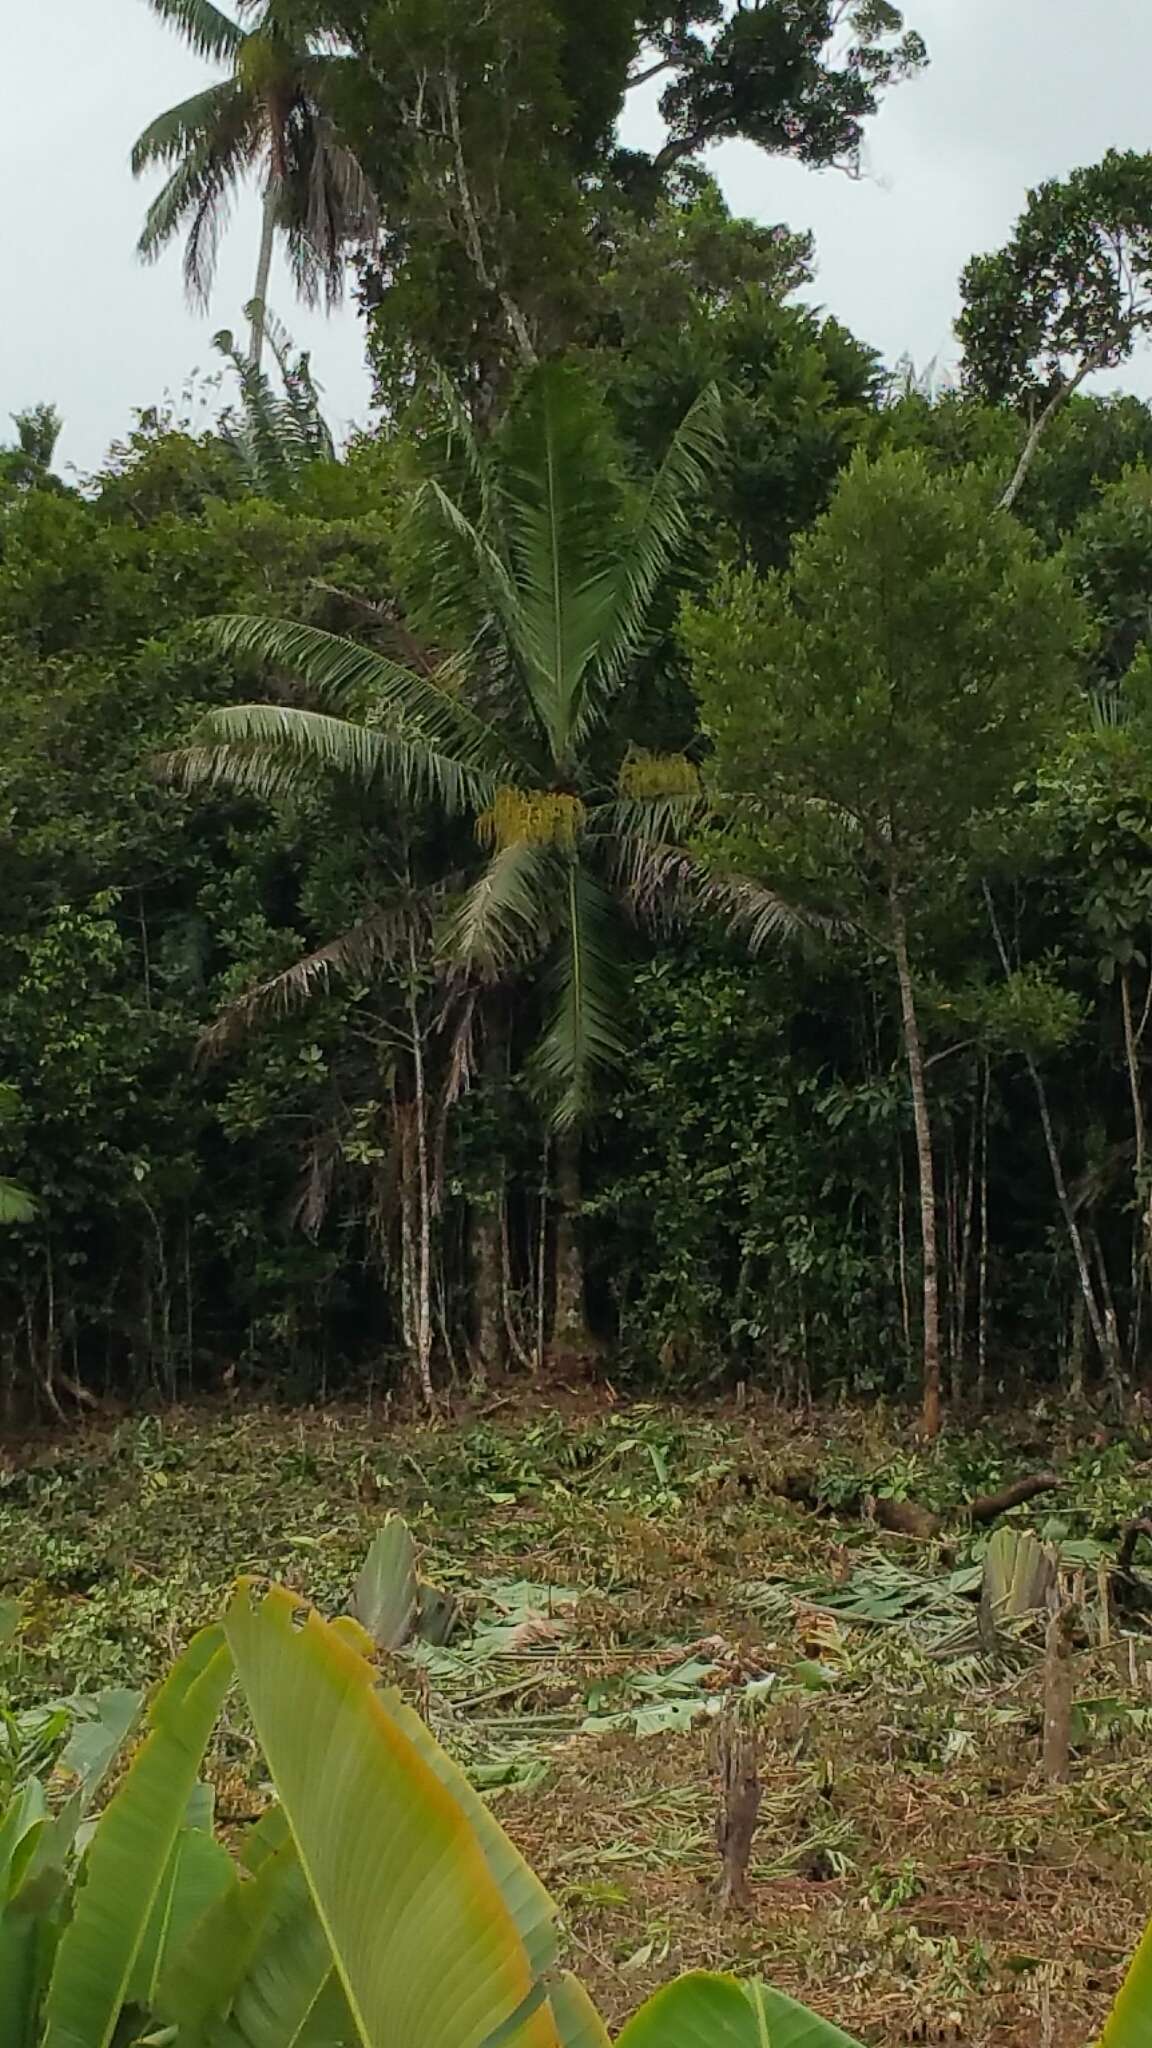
(705, 2011)
(386, 1597)
(21, 1826)
(421, 1938)
(290, 1995)
(199, 1872)
(578, 2023)
(1130, 2021)
(128, 1857)
(27, 1943)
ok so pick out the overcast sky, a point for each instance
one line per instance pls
(1018, 90)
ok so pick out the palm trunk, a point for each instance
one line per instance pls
(914, 1052)
(570, 1333)
(263, 274)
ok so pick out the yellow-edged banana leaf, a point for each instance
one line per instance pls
(423, 1942)
(701, 2010)
(128, 1857)
(1130, 2021)
(533, 1912)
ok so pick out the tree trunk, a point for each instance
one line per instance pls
(571, 1338)
(914, 1052)
(488, 1337)
(263, 274)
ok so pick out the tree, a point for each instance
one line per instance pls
(871, 705)
(26, 464)
(798, 79)
(491, 138)
(539, 566)
(1069, 294)
(272, 116)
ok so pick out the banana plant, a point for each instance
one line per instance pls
(376, 1904)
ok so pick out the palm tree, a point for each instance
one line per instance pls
(275, 439)
(272, 116)
(27, 462)
(538, 560)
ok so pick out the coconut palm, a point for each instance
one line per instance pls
(538, 558)
(272, 117)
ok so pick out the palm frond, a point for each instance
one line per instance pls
(359, 953)
(204, 27)
(560, 509)
(345, 674)
(586, 1034)
(189, 127)
(273, 751)
(629, 822)
(664, 529)
(199, 195)
(510, 914)
(668, 885)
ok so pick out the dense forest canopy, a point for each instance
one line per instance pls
(648, 849)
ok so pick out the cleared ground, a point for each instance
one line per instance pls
(623, 1574)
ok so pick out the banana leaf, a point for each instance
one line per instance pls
(705, 2011)
(1130, 2021)
(422, 1941)
(128, 1857)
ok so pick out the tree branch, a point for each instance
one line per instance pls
(1055, 404)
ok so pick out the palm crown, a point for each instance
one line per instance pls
(272, 117)
(536, 550)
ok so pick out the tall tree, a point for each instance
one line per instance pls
(491, 135)
(538, 563)
(872, 704)
(26, 464)
(1070, 293)
(272, 118)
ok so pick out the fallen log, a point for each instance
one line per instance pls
(908, 1517)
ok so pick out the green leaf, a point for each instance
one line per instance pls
(386, 1597)
(706, 2011)
(1129, 2024)
(422, 1941)
(128, 1857)
(27, 1941)
(199, 1873)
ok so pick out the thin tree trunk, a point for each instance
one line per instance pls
(914, 1052)
(423, 1316)
(1055, 404)
(982, 1281)
(1075, 1236)
(570, 1335)
(487, 1286)
(263, 275)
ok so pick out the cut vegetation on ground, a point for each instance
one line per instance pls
(625, 1602)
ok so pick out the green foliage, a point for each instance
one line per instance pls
(1069, 289)
(899, 678)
